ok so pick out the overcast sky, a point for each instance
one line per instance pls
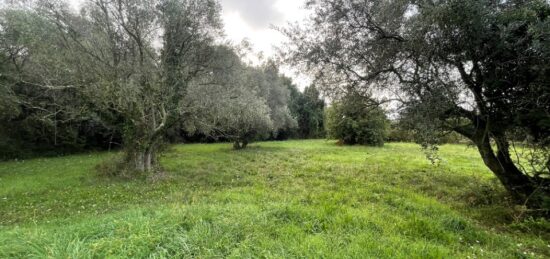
(253, 19)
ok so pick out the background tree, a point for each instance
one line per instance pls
(237, 102)
(273, 89)
(354, 119)
(479, 68)
(308, 109)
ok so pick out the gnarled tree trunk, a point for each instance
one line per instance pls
(240, 144)
(141, 159)
(500, 163)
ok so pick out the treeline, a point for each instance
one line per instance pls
(37, 121)
(135, 75)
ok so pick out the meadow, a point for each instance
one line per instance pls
(306, 199)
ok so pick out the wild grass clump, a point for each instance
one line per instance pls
(536, 226)
(485, 193)
(116, 167)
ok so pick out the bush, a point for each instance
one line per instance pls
(352, 120)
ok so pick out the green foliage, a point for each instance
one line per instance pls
(74, 81)
(101, 66)
(277, 95)
(308, 109)
(276, 199)
(238, 102)
(398, 133)
(353, 120)
(40, 117)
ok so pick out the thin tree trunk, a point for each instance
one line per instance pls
(148, 160)
(136, 159)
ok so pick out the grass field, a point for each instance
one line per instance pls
(276, 200)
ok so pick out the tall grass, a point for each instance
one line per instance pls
(276, 199)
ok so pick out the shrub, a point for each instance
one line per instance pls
(354, 120)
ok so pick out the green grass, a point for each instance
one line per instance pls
(274, 200)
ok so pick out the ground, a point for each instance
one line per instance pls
(276, 199)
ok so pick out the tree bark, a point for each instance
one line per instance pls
(148, 160)
(141, 159)
(516, 182)
(236, 145)
(520, 186)
(240, 144)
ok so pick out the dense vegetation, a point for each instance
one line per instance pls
(275, 199)
(308, 107)
(356, 120)
(96, 80)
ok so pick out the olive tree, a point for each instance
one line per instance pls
(225, 102)
(476, 67)
(235, 114)
(131, 61)
(273, 88)
(237, 102)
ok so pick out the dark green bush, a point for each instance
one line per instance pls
(355, 120)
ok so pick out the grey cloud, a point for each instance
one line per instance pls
(257, 13)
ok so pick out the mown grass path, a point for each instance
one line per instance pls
(277, 199)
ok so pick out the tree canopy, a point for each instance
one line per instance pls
(308, 107)
(239, 102)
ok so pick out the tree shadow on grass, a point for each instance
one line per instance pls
(480, 198)
(254, 148)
